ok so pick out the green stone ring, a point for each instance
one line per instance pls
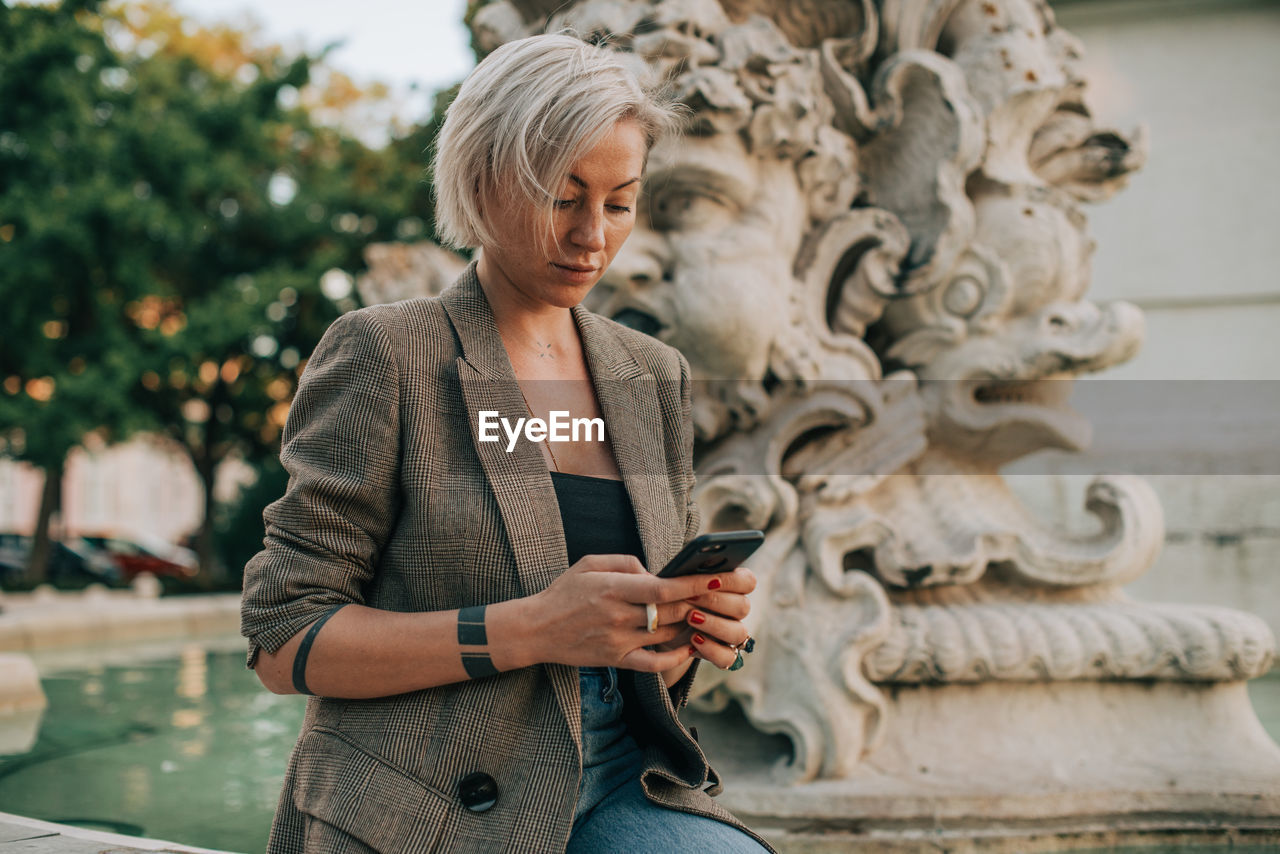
(737, 662)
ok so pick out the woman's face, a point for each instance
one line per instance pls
(592, 216)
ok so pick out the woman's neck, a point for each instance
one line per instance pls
(537, 330)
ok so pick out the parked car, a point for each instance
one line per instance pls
(71, 565)
(133, 559)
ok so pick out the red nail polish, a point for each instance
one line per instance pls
(697, 618)
(699, 639)
(713, 584)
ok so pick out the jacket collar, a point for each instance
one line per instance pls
(472, 317)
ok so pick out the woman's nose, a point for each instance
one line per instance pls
(588, 231)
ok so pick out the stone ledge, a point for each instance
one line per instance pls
(20, 834)
(1261, 835)
(40, 621)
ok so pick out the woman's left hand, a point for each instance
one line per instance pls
(715, 618)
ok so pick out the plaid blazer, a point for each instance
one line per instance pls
(393, 503)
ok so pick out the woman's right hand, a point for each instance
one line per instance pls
(594, 615)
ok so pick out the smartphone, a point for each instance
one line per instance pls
(719, 552)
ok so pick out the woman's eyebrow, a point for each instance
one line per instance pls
(583, 184)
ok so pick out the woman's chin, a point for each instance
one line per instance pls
(568, 291)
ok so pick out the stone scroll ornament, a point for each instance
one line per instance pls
(871, 249)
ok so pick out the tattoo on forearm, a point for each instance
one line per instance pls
(471, 634)
(304, 650)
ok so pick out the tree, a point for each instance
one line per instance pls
(201, 208)
(67, 229)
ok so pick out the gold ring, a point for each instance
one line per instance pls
(651, 617)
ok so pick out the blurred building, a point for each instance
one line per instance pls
(140, 489)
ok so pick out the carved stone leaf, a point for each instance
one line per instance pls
(719, 104)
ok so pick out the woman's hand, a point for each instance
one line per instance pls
(594, 615)
(715, 616)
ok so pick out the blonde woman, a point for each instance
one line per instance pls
(492, 665)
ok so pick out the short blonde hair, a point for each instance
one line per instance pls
(527, 113)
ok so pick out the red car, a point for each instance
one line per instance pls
(134, 559)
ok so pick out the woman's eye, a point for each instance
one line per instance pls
(561, 204)
(620, 208)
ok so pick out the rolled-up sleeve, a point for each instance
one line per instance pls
(340, 447)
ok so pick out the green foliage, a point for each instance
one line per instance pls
(164, 227)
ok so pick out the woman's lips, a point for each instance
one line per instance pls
(576, 275)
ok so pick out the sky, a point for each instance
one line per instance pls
(398, 42)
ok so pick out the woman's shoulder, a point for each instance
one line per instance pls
(397, 324)
(662, 360)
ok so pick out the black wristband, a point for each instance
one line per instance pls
(471, 633)
(304, 650)
(478, 665)
(471, 626)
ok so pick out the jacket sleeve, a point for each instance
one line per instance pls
(341, 448)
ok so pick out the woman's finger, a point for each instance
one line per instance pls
(734, 605)
(654, 589)
(656, 661)
(664, 635)
(672, 613)
(741, 580)
(714, 651)
(729, 632)
(682, 638)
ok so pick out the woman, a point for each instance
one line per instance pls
(498, 670)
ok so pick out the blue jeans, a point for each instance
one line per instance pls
(613, 814)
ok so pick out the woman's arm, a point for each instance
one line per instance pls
(324, 536)
(588, 616)
(341, 449)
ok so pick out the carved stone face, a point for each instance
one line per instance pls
(708, 268)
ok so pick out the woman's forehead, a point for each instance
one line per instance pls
(615, 163)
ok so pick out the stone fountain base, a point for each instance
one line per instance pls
(1002, 766)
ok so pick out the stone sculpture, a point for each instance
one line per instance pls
(872, 250)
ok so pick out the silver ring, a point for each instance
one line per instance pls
(651, 617)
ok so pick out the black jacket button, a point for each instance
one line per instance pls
(478, 791)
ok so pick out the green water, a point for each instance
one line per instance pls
(192, 749)
(189, 749)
